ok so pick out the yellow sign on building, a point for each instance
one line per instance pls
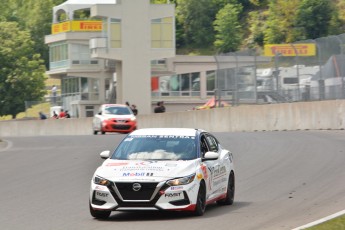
(300, 49)
(77, 26)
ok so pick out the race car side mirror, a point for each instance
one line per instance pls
(105, 154)
(210, 156)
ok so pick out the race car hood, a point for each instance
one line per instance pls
(109, 116)
(122, 170)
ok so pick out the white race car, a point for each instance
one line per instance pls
(176, 169)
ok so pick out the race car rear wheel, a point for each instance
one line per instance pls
(200, 201)
(99, 214)
(95, 132)
(230, 193)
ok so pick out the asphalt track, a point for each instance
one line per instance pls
(284, 180)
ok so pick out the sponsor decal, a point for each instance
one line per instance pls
(137, 174)
(170, 165)
(219, 181)
(164, 136)
(170, 195)
(145, 162)
(89, 25)
(219, 171)
(116, 164)
(176, 188)
(101, 194)
(199, 176)
(204, 170)
(99, 188)
(140, 168)
(300, 49)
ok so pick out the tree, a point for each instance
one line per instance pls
(196, 18)
(22, 71)
(314, 17)
(280, 27)
(228, 28)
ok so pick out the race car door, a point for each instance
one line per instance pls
(216, 170)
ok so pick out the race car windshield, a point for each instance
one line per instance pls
(156, 148)
(117, 110)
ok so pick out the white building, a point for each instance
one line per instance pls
(107, 51)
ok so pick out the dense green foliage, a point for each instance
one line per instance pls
(202, 27)
(23, 54)
(22, 71)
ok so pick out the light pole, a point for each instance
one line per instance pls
(297, 72)
(276, 71)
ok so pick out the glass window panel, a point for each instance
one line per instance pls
(155, 32)
(185, 82)
(167, 20)
(167, 44)
(167, 32)
(210, 80)
(115, 33)
(155, 44)
(195, 81)
(174, 83)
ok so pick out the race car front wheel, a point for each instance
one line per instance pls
(99, 214)
(200, 201)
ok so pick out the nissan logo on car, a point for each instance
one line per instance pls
(136, 187)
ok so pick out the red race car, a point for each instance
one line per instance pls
(114, 118)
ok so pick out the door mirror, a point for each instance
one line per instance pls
(211, 156)
(105, 154)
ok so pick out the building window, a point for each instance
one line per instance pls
(162, 33)
(80, 55)
(176, 85)
(210, 82)
(80, 88)
(115, 33)
(58, 55)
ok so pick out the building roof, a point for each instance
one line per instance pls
(87, 2)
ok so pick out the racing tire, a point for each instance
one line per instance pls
(95, 132)
(103, 132)
(200, 206)
(99, 214)
(230, 192)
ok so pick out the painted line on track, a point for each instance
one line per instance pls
(321, 220)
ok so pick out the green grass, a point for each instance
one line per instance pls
(31, 112)
(334, 224)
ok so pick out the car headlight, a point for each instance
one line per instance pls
(133, 118)
(181, 180)
(101, 181)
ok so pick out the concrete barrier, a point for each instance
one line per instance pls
(272, 117)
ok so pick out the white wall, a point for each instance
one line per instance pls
(288, 116)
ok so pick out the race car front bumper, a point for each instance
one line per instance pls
(152, 196)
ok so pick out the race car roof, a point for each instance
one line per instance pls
(165, 131)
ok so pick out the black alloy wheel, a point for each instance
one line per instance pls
(200, 201)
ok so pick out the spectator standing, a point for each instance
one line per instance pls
(134, 109)
(54, 93)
